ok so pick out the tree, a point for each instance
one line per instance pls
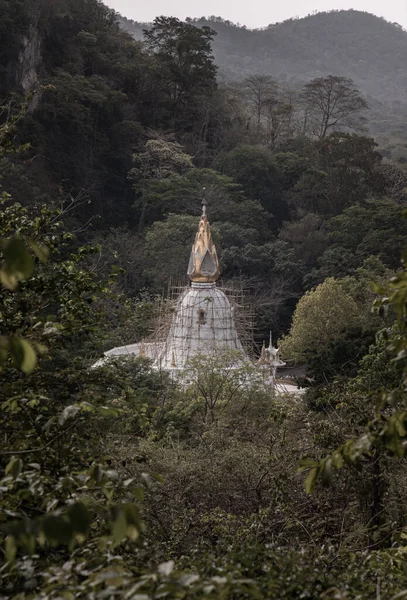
(273, 277)
(308, 237)
(161, 159)
(343, 169)
(221, 379)
(332, 104)
(183, 194)
(167, 249)
(253, 167)
(370, 228)
(382, 423)
(259, 90)
(185, 66)
(279, 127)
(320, 316)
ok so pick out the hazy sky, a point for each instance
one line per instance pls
(254, 13)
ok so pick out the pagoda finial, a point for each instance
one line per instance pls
(203, 264)
(204, 203)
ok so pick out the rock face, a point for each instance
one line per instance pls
(28, 61)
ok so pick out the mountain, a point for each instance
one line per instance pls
(370, 50)
(355, 44)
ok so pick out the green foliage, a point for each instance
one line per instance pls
(320, 316)
(384, 430)
(342, 171)
(254, 168)
(52, 486)
(183, 54)
(183, 194)
(139, 133)
(340, 358)
(169, 246)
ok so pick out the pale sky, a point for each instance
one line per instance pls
(254, 13)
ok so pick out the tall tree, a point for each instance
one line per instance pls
(253, 167)
(260, 91)
(331, 104)
(185, 66)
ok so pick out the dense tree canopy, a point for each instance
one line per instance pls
(120, 482)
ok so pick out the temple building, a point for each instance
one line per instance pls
(203, 321)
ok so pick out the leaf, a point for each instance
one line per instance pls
(306, 463)
(27, 541)
(14, 467)
(132, 515)
(119, 527)
(40, 251)
(10, 548)
(310, 481)
(24, 355)
(18, 263)
(79, 518)
(139, 493)
(105, 411)
(68, 413)
(57, 530)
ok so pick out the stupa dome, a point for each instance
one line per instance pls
(203, 324)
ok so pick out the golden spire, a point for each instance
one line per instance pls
(203, 264)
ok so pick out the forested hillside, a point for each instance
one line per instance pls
(120, 482)
(351, 43)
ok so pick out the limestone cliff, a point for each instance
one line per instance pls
(28, 61)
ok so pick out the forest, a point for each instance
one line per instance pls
(348, 43)
(118, 482)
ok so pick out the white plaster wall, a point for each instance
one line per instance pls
(190, 334)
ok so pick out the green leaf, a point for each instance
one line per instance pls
(18, 263)
(10, 548)
(306, 463)
(119, 527)
(57, 530)
(139, 493)
(23, 354)
(14, 467)
(4, 348)
(311, 480)
(40, 251)
(105, 411)
(79, 518)
(132, 514)
(27, 541)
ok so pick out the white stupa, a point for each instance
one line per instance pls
(203, 321)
